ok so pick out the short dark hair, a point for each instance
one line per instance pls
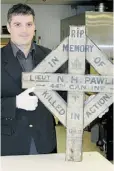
(20, 8)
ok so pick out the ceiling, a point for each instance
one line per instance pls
(58, 2)
(46, 2)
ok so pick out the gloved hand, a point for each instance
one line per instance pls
(25, 101)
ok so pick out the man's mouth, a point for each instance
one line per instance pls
(24, 36)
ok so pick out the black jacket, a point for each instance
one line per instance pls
(15, 123)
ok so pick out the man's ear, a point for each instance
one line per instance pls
(8, 27)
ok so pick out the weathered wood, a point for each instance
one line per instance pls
(99, 60)
(96, 106)
(75, 99)
(54, 95)
(54, 103)
(54, 60)
(51, 63)
(74, 47)
(68, 82)
(66, 78)
(51, 101)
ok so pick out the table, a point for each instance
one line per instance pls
(92, 161)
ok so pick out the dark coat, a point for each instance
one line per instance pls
(16, 123)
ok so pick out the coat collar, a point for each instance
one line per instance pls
(16, 49)
(12, 65)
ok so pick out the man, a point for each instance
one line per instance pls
(27, 126)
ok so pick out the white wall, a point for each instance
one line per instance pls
(47, 21)
(82, 9)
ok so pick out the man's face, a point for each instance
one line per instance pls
(22, 29)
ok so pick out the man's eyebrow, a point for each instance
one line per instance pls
(16, 22)
(29, 22)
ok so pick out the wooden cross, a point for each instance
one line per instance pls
(76, 114)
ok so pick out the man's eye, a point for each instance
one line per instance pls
(29, 24)
(18, 25)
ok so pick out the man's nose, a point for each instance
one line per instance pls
(24, 28)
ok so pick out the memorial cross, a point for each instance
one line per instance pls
(76, 114)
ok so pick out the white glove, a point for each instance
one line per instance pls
(25, 101)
